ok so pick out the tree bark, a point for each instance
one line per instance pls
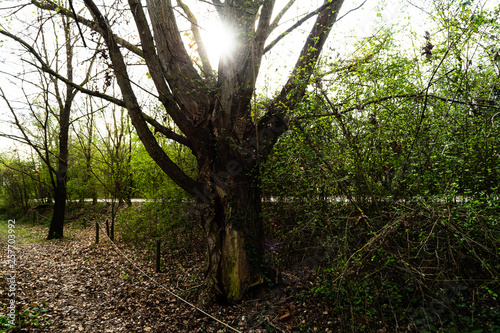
(232, 221)
(60, 193)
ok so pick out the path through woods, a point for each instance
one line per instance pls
(80, 287)
(91, 288)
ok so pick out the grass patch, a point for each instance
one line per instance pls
(24, 232)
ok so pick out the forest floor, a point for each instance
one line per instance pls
(76, 285)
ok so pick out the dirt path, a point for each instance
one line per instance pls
(80, 287)
(74, 285)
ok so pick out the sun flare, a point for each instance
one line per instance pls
(220, 41)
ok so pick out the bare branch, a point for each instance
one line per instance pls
(77, 23)
(45, 67)
(300, 22)
(25, 139)
(350, 11)
(49, 5)
(296, 25)
(280, 15)
(202, 51)
(168, 133)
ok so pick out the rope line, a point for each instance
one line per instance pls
(161, 286)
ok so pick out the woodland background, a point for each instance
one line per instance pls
(385, 189)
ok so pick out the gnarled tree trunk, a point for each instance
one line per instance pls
(231, 215)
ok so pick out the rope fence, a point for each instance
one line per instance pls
(98, 226)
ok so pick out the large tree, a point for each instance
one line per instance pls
(212, 112)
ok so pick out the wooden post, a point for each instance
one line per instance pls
(158, 242)
(97, 232)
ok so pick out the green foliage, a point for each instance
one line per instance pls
(423, 265)
(113, 163)
(162, 218)
(387, 184)
(149, 180)
(26, 319)
(164, 214)
(22, 182)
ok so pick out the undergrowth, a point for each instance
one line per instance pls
(419, 266)
(163, 219)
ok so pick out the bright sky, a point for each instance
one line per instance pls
(359, 23)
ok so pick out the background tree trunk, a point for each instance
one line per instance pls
(60, 194)
(60, 190)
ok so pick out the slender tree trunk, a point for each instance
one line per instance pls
(60, 193)
(60, 190)
(88, 159)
